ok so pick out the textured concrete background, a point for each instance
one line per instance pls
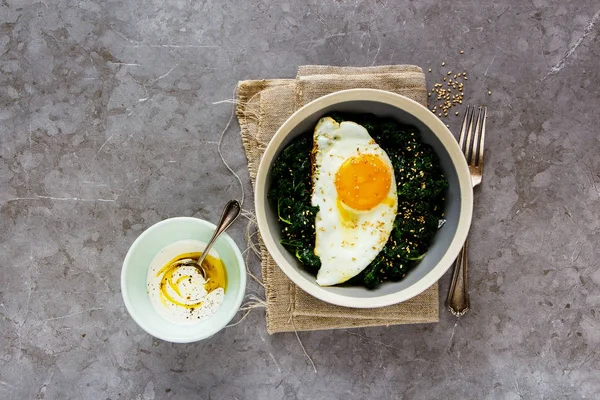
(107, 125)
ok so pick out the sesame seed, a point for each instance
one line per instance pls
(444, 95)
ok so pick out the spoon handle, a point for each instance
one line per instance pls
(230, 213)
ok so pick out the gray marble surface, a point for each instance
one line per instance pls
(108, 125)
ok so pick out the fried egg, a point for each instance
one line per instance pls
(355, 189)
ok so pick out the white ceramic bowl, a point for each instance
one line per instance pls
(135, 271)
(459, 200)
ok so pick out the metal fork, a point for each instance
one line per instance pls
(472, 135)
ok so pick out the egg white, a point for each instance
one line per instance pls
(347, 240)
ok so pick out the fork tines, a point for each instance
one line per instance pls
(472, 135)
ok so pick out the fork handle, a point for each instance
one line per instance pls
(458, 296)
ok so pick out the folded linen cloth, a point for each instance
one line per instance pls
(262, 107)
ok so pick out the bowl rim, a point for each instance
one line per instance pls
(214, 328)
(448, 141)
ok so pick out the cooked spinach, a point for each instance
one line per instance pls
(421, 186)
(290, 191)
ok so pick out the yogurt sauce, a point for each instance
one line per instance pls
(180, 293)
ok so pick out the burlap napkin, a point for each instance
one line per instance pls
(262, 106)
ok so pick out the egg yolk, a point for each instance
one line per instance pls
(363, 181)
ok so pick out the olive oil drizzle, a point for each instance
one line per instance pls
(216, 277)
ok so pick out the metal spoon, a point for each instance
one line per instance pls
(230, 213)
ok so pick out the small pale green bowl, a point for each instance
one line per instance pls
(135, 271)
